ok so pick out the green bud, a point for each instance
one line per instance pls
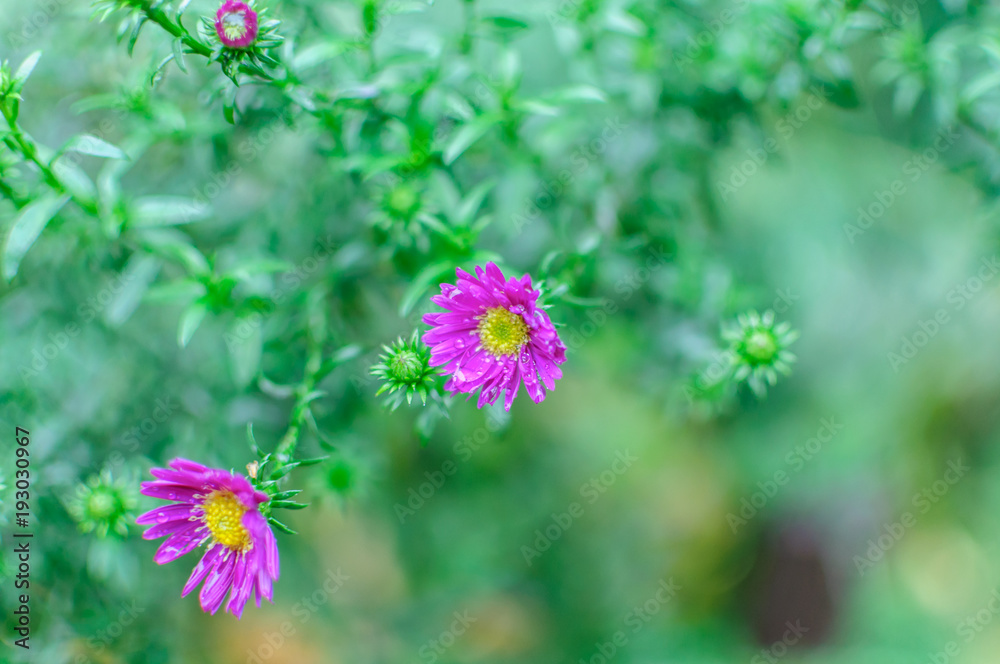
(405, 371)
(103, 504)
(758, 350)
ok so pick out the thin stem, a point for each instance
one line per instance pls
(19, 142)
(158, 16)
(470, 18)
(305, 392)
(8, 191)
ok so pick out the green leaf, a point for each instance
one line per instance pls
(244, 342)
(152, 211)
(311, 462)
(504, 26)
(24, 71)
(278, 473)
(428, 276)
(178, 46)
(280, 526)
(261, 266)
(285, 495)
(190, 321)
(577, 93)
(319, 53)
(96, 102)
(182, 290)
(467, 135)
(253, 441)
(472, 202)
(76, 182)
(174, 245)
(287, 505)
(134, 279)
(27, 227)
(342, 355)
(345, 354)
(135, 33)
(229, 112)
(87, 144)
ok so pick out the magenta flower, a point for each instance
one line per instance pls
(493, 336)
(221, 508)
(236, 24)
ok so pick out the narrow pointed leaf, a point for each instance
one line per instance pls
(27, 227)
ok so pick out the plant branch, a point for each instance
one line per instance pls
(305, 392)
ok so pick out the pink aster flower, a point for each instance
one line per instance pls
(236, 24)
(221, 508)
(492, 336)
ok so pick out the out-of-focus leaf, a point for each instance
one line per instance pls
(473, 201)
(75, 180)
(504, 26)
(261, 266)
(178, 46)
(429, 275)
(182, 290)
(28, 225)
(140, 21)
(153, 211)
(134, 279)
(319, 53)
(24, 71)
(244, 342)
(190, 321)
(467, 135)
(174, 245)
(87, 144)
(577, 93)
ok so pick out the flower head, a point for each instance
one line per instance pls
(758, 349)
(220, 508)
(236, 24)
(405, 371)
(493, 336)
(103, 504)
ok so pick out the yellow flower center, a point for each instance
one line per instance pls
(234, 25)
(502, 332)
(223, 514)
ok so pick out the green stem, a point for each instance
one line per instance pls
(19, 142)
(304, 393)
(158, 16)
(470, 17)
(8, 191)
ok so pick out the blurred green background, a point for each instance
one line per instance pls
(663, 167)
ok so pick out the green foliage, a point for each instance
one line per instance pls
(201, 241)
